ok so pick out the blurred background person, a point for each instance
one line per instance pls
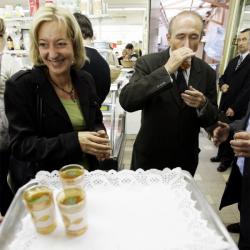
(128, 54)
(5, 192)
(95, 63)
(52, 110)
(235, 87)
(124, 56)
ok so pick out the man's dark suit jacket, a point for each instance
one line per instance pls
(99, 69)
(237, 96)
(169, 131)
(238, 188)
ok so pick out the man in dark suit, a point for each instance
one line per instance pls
(176, 92)
(238, 186)
(235, 87)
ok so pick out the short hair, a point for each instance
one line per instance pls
(245, 30)
(2, 27)
(184, 13)
(85, 25)
(129, 46)
(62, 16)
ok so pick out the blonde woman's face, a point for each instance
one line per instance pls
(55, 48)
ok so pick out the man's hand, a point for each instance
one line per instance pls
(220, 133)
(193, 98)
(241, 144)
(229, 112)
(224, 88)
(177, 57)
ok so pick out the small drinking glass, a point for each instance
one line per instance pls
(40, 203)
(71, 203)
(72, 175)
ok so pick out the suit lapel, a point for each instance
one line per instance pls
(234, 64)
(244, 62)
(48, 94)
(194, 80)
(174, 91)
(195, 74)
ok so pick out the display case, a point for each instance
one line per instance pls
(114, 118)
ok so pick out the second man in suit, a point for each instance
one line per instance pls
(235, 87)
(238, 185)
(176, 92)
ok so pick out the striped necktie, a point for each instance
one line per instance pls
(239, 62)
(180, 81)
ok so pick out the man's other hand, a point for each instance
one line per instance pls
(224, 88)
(229, 112)
(193, 98)
(241, 144)
(220, 133)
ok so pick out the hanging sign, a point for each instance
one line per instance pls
(34, 5)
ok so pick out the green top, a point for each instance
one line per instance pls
(75, 115)
(77, 119)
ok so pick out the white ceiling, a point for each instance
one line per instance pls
(126, 3)
(173, 7)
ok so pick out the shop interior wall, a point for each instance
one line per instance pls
(125, 21)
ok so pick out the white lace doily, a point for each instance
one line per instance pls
(129, 210)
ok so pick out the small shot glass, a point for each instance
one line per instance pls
(40, 203)
(72, 203)
(72, 175)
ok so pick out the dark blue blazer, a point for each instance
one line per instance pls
(169, 132)
(237, 96)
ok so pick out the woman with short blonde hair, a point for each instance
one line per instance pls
(52, 109)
